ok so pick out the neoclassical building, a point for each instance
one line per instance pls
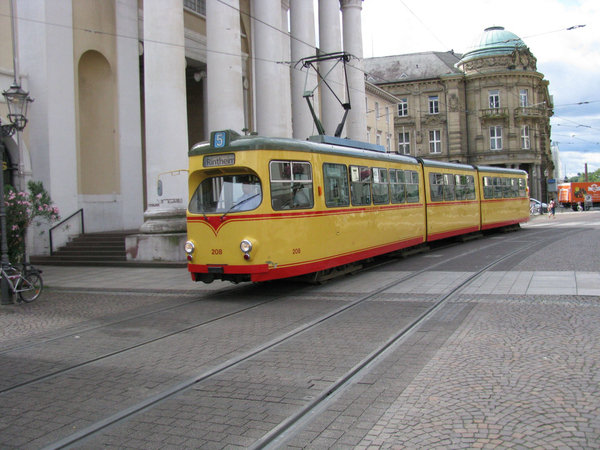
(489, 106)
(123, 88)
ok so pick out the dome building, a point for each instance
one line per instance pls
(488, 106)
(509, 105)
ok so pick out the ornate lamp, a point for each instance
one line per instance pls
(17, 100)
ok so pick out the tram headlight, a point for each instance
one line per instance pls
(246, 248)
(189, 248)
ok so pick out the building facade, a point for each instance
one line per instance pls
(488, 106)
(123, 88)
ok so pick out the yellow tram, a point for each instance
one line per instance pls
(268, 208)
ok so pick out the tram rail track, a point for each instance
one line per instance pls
(126, 349)
(283, 430)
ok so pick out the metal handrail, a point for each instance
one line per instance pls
(63, 221)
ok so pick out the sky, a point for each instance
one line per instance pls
(569, 59)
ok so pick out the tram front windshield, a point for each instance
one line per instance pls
(229, 193)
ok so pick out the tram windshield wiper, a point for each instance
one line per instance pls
(238, 204)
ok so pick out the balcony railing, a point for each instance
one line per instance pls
(532, 111)
(494, 113)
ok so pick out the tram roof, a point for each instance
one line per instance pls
(232, 141)
(235, 142)
(446, 165)
(488, 169)
(500, 170)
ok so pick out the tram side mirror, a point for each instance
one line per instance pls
(159, 188)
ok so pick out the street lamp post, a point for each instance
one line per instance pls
(17, 100)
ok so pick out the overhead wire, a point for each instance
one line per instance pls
(290, 63)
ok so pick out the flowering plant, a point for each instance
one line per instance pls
(22, 209)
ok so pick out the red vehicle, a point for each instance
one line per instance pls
(570, 194)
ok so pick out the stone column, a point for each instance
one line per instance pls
(225, 105)
(535, 190)
(302, 17)
(166, 115)
(46, 35)
(357, 119)
(330, 41)
(271, 100)
(130, 134)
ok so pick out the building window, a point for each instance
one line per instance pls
(368, 134)
(367, 105)
(404, 143)
(387, 114)
(388, 142)
(525, 142)
(494, 97)
(377, 111)
(435, 141)
(434, 104)
(403, 107)
(496, 138)
(198, 6)
(378, 138)
(523, 101)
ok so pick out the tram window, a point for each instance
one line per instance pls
(397, 186)
(436, 184)
(360, 185)
(460, 182)
(497, 187)
(381, 190)
(231, 193)
(506, 188)
(514, 187)
(336, 185)
(471, 187)
(488, 187)
(291, 185)
(449, 188)
(412, 186)
(522, 187)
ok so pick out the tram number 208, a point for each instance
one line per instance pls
(217, 251)
(296, 251)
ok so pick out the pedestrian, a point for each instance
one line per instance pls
(552, 207)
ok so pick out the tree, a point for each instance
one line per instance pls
(592, 177)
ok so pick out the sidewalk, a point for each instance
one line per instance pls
(179, 280)
(123, 278)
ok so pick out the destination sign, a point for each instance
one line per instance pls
(219, 160)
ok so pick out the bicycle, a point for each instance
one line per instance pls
(26, 282)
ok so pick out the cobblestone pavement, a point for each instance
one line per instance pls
(518, 369)
(520, 373)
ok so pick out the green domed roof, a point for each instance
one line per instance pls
(493, 41)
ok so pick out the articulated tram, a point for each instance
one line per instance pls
(269, 208)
